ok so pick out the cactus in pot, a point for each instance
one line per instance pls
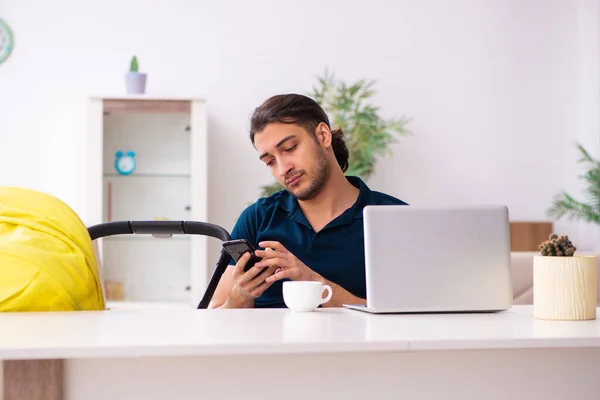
(565, 285)
(135, 81)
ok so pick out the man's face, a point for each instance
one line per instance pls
(294, 158)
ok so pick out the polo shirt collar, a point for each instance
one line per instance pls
(288, 202)
(364, 195)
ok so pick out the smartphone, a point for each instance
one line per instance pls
(237, 248)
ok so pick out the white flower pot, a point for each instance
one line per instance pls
(565, 288)
(135, 82)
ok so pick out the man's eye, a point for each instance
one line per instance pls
(270, 163)
(291, 148)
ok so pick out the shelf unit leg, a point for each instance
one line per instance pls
(33, 379)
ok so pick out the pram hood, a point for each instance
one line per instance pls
(47, 259)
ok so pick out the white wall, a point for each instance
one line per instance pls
(499, 91)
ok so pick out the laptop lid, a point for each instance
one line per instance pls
(426, 259)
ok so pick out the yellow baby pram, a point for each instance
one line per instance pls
(47, 258)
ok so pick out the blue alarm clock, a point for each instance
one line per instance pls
(125, 162)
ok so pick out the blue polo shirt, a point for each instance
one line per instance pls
(336, 252)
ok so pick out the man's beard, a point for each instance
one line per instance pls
(321, 173)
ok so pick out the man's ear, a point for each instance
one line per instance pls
(324, 135)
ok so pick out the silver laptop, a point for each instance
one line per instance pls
(437, 260)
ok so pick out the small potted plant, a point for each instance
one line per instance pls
(135, 81)
(565, 285)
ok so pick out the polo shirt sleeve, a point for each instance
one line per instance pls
(245, 226)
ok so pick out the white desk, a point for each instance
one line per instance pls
(328, 354)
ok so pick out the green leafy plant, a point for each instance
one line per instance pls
(133, 65)
(367, 133)
(557, 246)
(565, 205)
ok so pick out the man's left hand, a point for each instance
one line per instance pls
(276, 255)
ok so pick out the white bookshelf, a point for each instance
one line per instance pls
(169, 138)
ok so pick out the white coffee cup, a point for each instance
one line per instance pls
(303, 296)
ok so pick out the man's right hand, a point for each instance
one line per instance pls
(248, 285)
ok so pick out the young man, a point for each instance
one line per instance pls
(312, 230)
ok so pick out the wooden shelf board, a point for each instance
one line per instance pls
(146, 106)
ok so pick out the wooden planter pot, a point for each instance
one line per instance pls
(565, 288)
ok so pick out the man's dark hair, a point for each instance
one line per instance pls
(301, 110)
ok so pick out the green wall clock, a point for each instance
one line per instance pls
(6, 41)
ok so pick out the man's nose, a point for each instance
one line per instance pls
(284, 168)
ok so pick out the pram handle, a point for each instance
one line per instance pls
(158, 228)
(167, 229)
